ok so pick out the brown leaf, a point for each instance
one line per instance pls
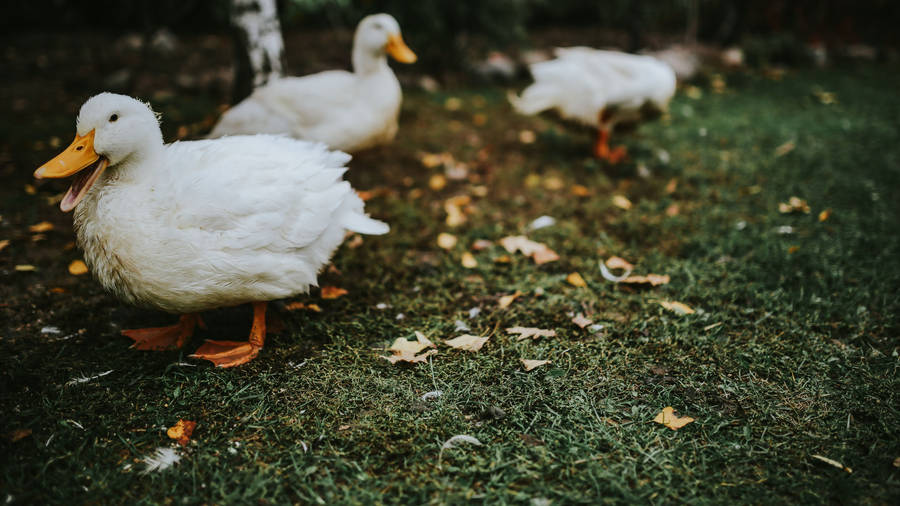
(532, 364)
(784, 149)
(77, 268)
(618, 263)
(823, 216)
(3, 244)
(580, 190)
(467, 342)
(295, 306)
(182, 431)
(544, 256)
(532, 332)
(410, 357)
(18, 434)
(405, 350)
(437, 182)
(506, 300)
(677, 307)
(673, 210)
(581, 321)
(668, 418)
(671, 186)
(44, 226)
(332, 292)
(575, 279)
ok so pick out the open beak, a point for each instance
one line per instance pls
(399, 50)
(80, 155)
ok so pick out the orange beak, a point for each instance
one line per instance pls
(77, 157)
(399, 50)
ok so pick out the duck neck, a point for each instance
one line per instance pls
(367, 62)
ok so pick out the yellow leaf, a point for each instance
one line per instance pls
(678, 307)
(653, 279)
(452, 104)
(554, 183)
(621, 202)
(532, 332)
(468, 261)
(332, 292)
(437, 182)
(506, 300)
(671, 186)
(446, 241)
(405, 350)
(43, 226)
(832, 462)
(182, 431)
(668, 418)
(3, 244)
(411, 358)
(793, 205)
(532, 180)
(467, 342)
(824, 215)
(77, 268)
(793, 249)
(531, 364)
(25, 268)
(575, 279)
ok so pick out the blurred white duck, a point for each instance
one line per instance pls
(599, 88)
(192, 226)
(348, 111)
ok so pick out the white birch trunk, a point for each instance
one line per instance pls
(259, 38)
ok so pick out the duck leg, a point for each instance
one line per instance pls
(165, 338)
(601, 146)
(233, 353)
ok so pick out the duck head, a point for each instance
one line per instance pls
(111, 129)
(377, 35)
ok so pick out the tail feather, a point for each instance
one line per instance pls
(360, 223)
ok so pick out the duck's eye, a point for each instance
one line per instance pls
(113, 118)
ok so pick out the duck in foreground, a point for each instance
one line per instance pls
(349, 111)
(192, 226)
(600, 89)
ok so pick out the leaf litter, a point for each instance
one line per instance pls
(532, 332)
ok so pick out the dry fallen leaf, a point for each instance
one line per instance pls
(18, 434)
(554, 183)
(532, 332)
(77, 268)
(653, 279)
(673, 210)
(793, 205)
(668, 418)
(539, 252)
(580, 190)
(405, 350)
(832, 462)
(678, 307)
(44, 226)
(294, 306)
(581, 321)
(182, 431)
(544, 256)
(467, 342)
(824, 215)
(437, 182)
(481, 244)
(671, 186)
(446, 241)
(355, 242)
(5, 242)
(618, 263)
(575, 279)
(784, 149)
(527, 137)
(468, 261)
(506, 300)
(453, 208)
(531, 364)
(621, 202)
(25, 268)
(332, 292)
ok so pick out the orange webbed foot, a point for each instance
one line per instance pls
(164, 338)
(227, 353)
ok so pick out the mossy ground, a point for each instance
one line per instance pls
(792, 351)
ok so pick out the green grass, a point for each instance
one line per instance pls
(803, 360)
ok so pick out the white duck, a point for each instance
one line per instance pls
(348, 111)
(599, 88)
(191, 226)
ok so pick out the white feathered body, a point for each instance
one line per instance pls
(204, 224)
(592, 86)
(348, 111)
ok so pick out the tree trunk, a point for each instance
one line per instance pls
(259, 48)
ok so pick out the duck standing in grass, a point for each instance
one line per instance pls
(191, 226)
(348, 111)
(600, 89)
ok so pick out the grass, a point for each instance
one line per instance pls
(792, 351)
